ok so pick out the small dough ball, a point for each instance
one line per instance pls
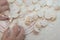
(28, 2)
(23, 9)
(30, 8)
(53, 3)
(43, 23)
(14, 9)
(57, 8)
(34, 17)
(49, 2)
(30, 18)
(50, 16)
(42, 3)
(10, 1)
(53, 17)
(37, 7)
(34, 1)
(40, 14)
(37, 26)
(28, 21)
(19, 2)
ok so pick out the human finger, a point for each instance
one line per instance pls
(5, 34)
(15, 30)
(21, 35)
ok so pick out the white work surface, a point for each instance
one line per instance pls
(51, 32)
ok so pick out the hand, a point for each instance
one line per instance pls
(4, 17)
(3, 5)
(16, 34)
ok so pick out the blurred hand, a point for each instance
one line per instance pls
(3, 17)
(3, 5)
(16, 34)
